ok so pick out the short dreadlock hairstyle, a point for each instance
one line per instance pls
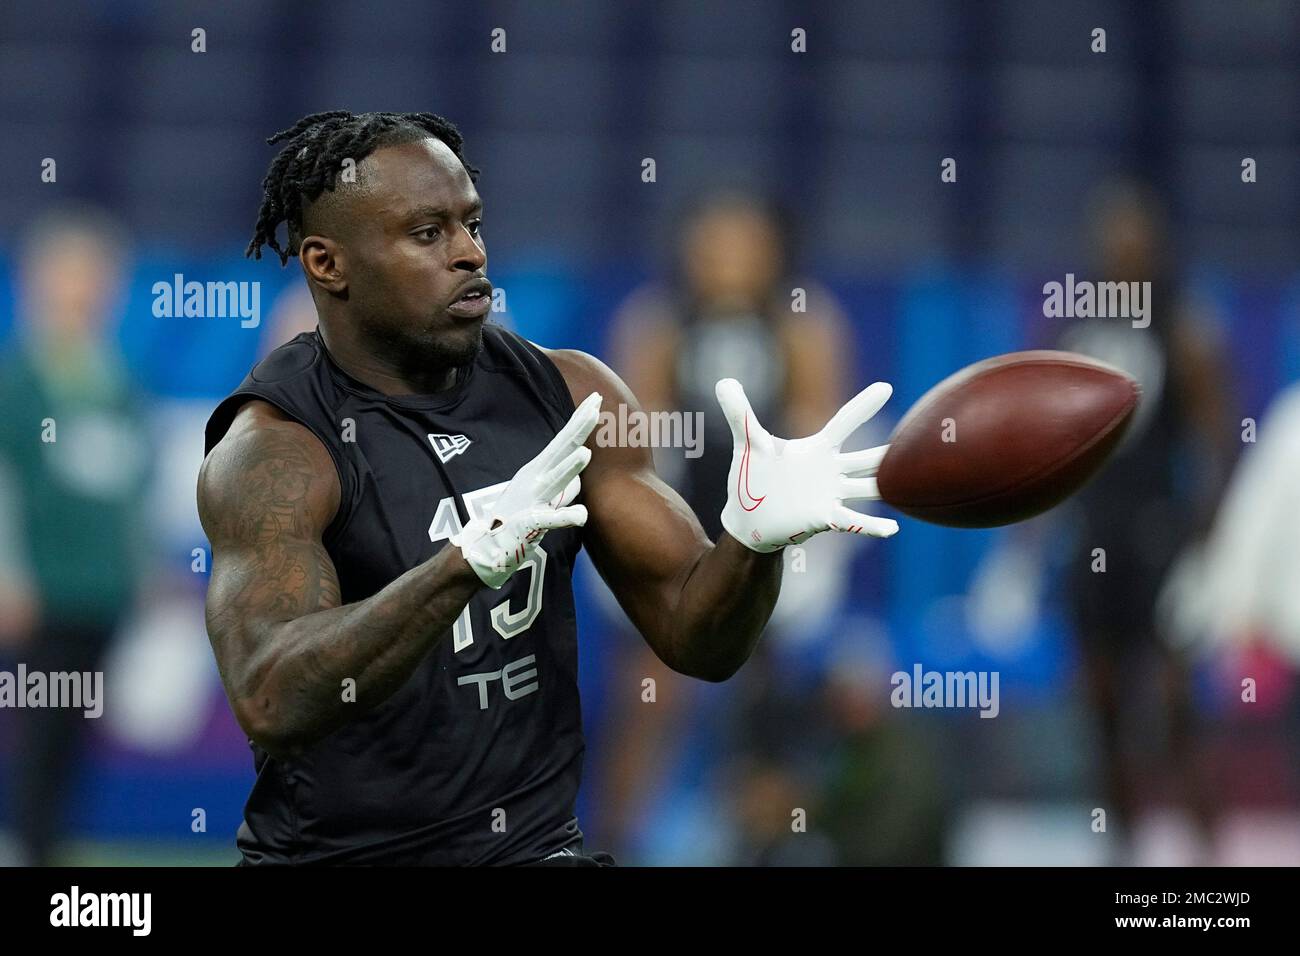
(312, 158)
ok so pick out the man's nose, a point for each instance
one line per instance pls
(467, 253)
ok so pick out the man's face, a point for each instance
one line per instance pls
(73, 283)
(408, 245)
(732, 257)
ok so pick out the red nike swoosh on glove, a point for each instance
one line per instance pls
(742, 480)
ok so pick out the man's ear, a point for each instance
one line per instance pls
(322, 261)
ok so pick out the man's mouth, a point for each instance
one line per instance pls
(474, 302)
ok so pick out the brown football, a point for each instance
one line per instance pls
(1006, 438)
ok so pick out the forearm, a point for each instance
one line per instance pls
(724, 605)
(292, 692)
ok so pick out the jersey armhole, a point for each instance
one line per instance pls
(561, 388)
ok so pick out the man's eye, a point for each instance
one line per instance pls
(428, 232)
(475, 226)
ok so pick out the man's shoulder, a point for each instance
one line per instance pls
(289, 378)
(294, 358)
(583, 373)
(259, 429)
(265, 448)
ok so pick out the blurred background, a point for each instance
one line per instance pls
(775, 171)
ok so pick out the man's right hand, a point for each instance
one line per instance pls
(537, 499)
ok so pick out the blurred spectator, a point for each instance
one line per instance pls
(729, 309)
(1157, 494)
(73, 456)
(883, 798)
(768, 797)
(867, 782)
(1235, 599)
(1241, 586)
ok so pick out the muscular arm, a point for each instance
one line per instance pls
(283, 643)
(700, 606)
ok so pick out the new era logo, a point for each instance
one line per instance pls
(447, 447)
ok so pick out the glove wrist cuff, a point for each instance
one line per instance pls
(478, 550)
(747, 539)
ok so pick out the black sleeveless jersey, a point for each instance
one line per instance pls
(476, 759)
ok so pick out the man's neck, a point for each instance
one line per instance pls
(387, 377)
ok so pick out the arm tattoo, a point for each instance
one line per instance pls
(284, 640)
(290, 574)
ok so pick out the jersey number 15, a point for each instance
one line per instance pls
(507, 623)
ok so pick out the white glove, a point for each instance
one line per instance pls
(781, 492)
(536, 500)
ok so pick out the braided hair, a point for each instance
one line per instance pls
(309, 163)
